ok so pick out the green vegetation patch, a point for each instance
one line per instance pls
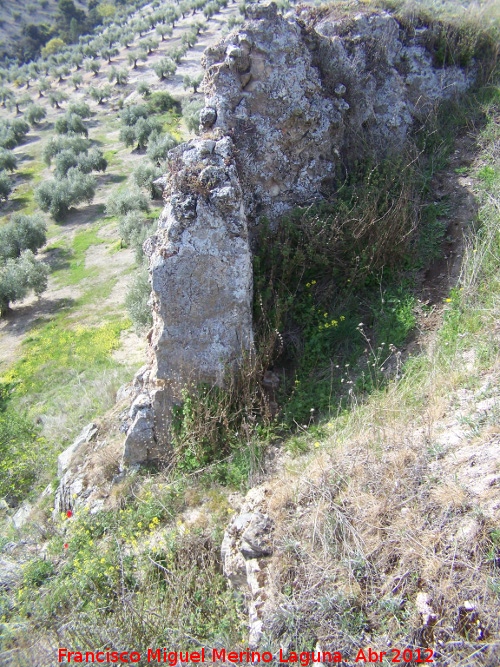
(23, 454)
(76, 271)
(54, 351)
(141, 555)
(64, 370)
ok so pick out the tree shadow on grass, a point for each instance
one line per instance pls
(14, 205)
(58, 258)
(112, 178)
(30, 139)
(80, 216)
(22, 318)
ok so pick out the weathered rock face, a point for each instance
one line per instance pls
(201, 275)
(300, 97)
(267, 94)
(245, 551)
(288, 101)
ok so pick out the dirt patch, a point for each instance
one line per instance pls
(449, 185)
(132, 350)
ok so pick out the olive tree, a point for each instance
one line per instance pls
(125, 201)
(164, 68)
(19, 276)
(137, 298)
(100, 94)
(56, 145)
(56, 197)
(22, 232)
(34, 114)
(5, 186)
(71, 123)
(145, 175)
(56, 97)
(158, 147)
(193, 82)
(8, 161)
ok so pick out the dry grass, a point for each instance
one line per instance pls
(366, 526)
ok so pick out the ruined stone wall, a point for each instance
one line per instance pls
(287, 101)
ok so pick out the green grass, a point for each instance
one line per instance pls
(140, 554)
(111, 157)
(96, 294)
(489, 175)
(66, 369)
(55, 351)
(77, 272)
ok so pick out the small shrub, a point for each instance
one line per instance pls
(123, 202)
(37, 571)
(22, 232)
(191, 114)
(211, 421)
(21, 452)
(161, 101)
(53, 46)
(137, 299)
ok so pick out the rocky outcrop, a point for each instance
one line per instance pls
(288, 103)
(10, 574)
(201, 276)
(69, 469)
(303, 96)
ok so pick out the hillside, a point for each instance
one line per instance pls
(26, 26)
(338, 490)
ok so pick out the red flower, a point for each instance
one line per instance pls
(69, 514)
(66, 545)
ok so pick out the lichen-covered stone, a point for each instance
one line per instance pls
(64, 460)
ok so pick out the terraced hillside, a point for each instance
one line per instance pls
(362, 439)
